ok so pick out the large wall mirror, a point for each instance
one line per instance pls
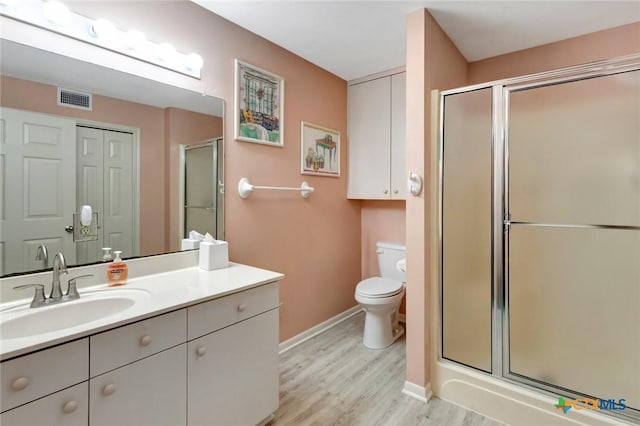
(91, 157)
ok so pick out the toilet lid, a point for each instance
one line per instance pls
(379, 287)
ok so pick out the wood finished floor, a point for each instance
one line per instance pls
(333, 379)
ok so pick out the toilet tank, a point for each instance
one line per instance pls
(389, 254)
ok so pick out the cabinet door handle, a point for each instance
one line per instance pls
(385, 191)
(242, 307)
(109, 389)
(145, 340)
(201, 351)
(70, 407)
(19, 383)
(395, 191)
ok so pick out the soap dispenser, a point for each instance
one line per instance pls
(106, 254)
(118, 271)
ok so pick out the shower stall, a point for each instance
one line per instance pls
(540, 233)
(202, 189)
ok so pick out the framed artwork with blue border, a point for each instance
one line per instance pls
(259, 105)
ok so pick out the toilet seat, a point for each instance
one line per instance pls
(378, 287)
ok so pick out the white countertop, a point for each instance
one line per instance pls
(168, 291)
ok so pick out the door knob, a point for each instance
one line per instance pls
(69, 228)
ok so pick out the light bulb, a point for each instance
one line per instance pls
(194, 62)
(103, 29)
(136, 40)
(166, 52)
(57, 12)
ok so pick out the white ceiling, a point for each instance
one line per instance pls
(353, 39)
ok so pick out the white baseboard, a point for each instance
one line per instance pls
(315, 330)
(402, 318)
(420, 393)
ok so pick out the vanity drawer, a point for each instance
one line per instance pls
(42, 373)
(219, 313)
(124, 345)
(69, 407)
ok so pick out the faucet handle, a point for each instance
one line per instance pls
(38, 297)
(72, 289)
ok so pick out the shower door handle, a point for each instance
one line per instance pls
(507, 222)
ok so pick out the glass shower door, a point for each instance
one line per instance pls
(573, 241)
(466, 226)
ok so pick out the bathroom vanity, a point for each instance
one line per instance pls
(194, 347)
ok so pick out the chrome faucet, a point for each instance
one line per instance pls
(59, 266)
(43, 254)
(39, 299)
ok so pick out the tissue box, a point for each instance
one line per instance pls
(214, 255)
(189, 244)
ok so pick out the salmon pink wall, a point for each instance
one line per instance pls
(433, 62)
(619, 41)
(315, 242)
(183, 128)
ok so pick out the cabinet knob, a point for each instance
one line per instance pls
(145, 340)
(395, 191)
(201, 351)
(70, 407)
(385, 191)
(19, 383)
(109, 389)
(242, 307)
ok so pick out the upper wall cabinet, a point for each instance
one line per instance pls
(377, 153)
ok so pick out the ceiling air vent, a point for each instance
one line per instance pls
(74, 99)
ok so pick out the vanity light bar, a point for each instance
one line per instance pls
(55, 16)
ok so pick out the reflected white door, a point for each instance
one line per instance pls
(106, 183)
(38, 188)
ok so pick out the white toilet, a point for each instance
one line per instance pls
(380, 297)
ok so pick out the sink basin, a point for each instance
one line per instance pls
(93, 306)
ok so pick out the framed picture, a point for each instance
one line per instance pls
(320, 151)
(259, 105)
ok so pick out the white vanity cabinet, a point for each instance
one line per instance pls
(210, 363)
(233, 370)
(138, 374)
(151, 391)
(377, 139)
(39, 374)
(118, 347)
(68, 407)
